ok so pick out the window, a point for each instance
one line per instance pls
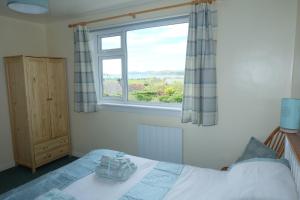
(111, 43)
(142, 63)
(112, 77)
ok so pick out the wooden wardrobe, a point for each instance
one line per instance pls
(38, 103)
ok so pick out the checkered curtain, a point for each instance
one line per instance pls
(200, 95)
(85, 93)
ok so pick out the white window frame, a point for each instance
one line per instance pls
(121, 53)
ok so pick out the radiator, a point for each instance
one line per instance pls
(160, 143)
(295, 165)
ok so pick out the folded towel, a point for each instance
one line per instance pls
(114, 162)
(115, 168)
(55, 194)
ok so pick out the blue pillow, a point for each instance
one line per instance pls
(256, 149)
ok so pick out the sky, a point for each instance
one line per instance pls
(151, 49)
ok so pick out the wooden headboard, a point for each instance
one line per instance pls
(292, 153)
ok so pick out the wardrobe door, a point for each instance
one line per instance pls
(38, 98)
(18, 110)
(57, 84)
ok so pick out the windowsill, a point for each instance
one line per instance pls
(141, 109)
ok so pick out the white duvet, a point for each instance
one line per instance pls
(197, 183)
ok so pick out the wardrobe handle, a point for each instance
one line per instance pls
(49, 99)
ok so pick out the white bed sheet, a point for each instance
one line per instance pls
(193, 184)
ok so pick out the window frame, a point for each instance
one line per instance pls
(121, 30)
(123, 81)
(107, 36)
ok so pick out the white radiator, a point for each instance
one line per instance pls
(295, 165)
(160, 143)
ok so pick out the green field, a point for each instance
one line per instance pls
(166, 90)
(155, 90)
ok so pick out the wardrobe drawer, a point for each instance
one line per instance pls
(52, 144)
(51, 155)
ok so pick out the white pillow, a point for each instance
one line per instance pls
(261, 180)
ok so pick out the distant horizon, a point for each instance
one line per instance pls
(154, 50)
(148, 74)
(155, 72)
(163, 72)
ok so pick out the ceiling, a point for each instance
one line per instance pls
(67, 9)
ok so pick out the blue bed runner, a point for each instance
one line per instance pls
(55, 194)
(156, 184)
(60, 178)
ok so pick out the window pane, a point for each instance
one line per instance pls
(112, 77)
(156, 61)
(111, 43)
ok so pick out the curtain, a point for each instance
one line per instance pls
(85, 94)
(200, 95)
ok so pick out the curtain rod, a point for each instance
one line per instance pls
(133, 14)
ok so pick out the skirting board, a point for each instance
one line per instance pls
(4, 166)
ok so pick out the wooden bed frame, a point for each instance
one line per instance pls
(275, 141)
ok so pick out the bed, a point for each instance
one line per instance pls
(261, 179)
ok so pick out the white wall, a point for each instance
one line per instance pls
(16, 37)
(296, 71)
(255, 58)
